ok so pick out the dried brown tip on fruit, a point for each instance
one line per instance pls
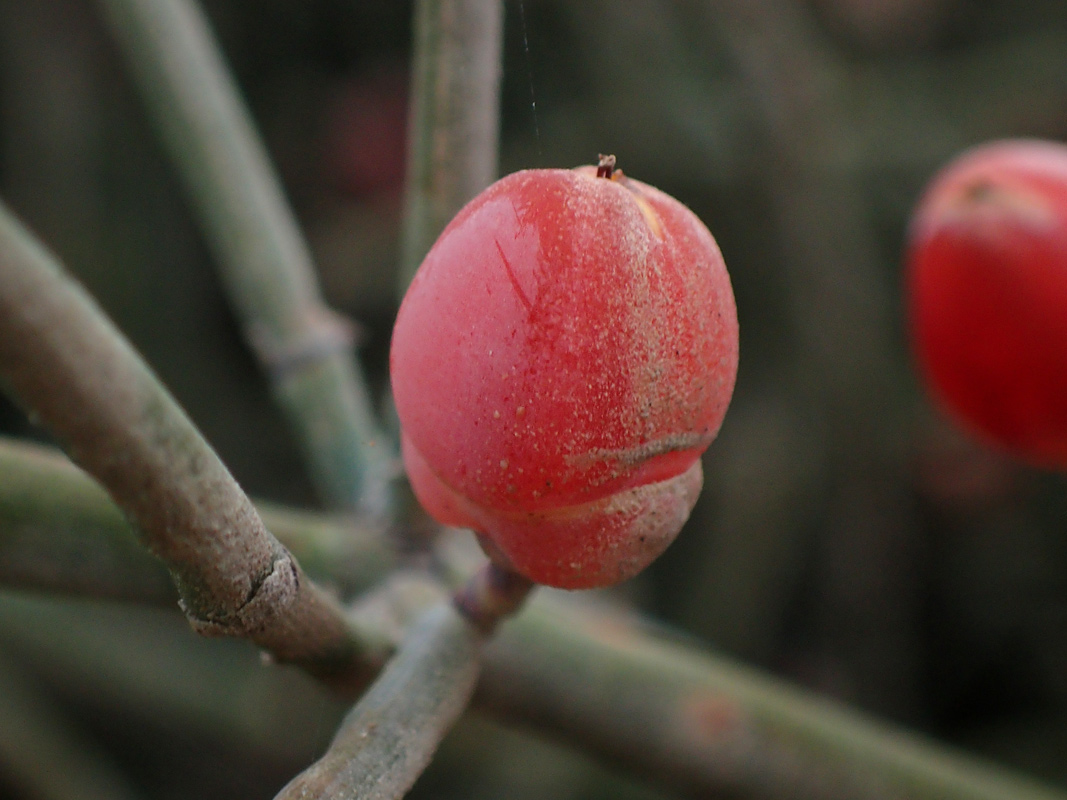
(605, 166)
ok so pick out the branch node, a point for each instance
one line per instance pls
(327, 334)
(269, 596)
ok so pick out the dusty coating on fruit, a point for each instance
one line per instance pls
(987, 288)
(568, 339)
(600, 543)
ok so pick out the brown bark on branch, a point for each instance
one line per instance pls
(79, 377)
(388, 739)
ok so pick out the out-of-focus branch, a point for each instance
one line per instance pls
(604, 683)
(79, 377)
(43, 754)
(389, 737)
(305, 347)
(144, 663)
(454, 117)
(60, 533)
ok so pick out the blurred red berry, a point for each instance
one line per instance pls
(366, 132)
(987, 288)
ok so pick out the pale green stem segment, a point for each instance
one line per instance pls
(454, 118)
(389, 737)
(603, 681)
(46, 755)
(49, 506)
(265, 261)
(78, 377)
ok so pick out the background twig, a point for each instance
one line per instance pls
(147, 665)
(596, 679)
(44, 753)
(454, 118)
(305, 347)
(60, 533)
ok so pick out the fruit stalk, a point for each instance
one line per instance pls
(491, 595)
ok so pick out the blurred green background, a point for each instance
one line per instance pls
(848, 538)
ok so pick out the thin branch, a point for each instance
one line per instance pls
(79, 377)
(144, 664)
(602, 682)
(454, 118)
(388, 739)
(91, 551)
(838, 298)
(265, 261)
(608, 685)
(43, 754)
(60, 533)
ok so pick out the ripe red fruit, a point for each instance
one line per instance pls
(564, 355)
(988, 292)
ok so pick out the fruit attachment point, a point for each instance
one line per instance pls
(491, 595)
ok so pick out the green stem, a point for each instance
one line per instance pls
(44, 754)
(265, 261)
(47, 505)
(142, 664)
(453, 138)
(76, 374)
(701, 723)
(388, 739)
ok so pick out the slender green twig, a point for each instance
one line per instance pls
(143, 663)
(77, 375)
(600, 681)
(49, 505)
(454, 117)
(388, 739)
(265, 261)
(43, 754)
(92, 551)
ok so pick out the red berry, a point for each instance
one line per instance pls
(564, 355)
(988, 295)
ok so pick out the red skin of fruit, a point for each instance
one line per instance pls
(987, 286)
(564, 355)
